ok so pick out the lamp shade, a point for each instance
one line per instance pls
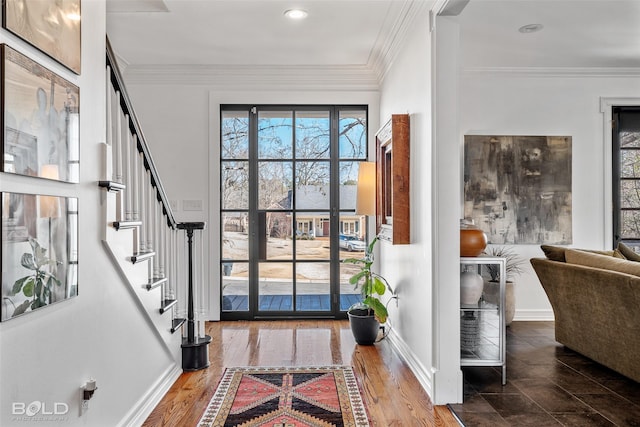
(366, 195)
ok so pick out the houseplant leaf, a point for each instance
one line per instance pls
(379, 310)
(378, 286)
(17, 286)
(356, 277)
(27, 290)
(27, 261)
(21, 308)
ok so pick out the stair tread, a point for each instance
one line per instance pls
(112, 186)
(177, 323)
(155, 282)
(121, 225)
(167, 304)
(141, 256)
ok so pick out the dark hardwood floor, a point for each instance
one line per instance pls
(547, 385)
(391, 392)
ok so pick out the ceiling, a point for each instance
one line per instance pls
(576, 33)
(363, 34)
(253, 32)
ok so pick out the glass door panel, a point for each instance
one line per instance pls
(235, 286)
(276, 242)
(275, 135)
(310, 241)
(313, 185)
(234, 203)
(275, 180)
(234, 141)
(352, 134)
(313, 135)
(275, 286)
(235, 185)
(288, 188)
(313, 290)
(349, 295)
(235, 236)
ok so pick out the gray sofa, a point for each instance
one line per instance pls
(596, 303)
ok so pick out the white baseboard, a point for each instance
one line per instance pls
(422, 374)
(141, 410)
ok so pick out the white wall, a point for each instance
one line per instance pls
(47, 355)
(423, 320)
(528, 104)
(184, 135)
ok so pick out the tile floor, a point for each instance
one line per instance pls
(547, 385)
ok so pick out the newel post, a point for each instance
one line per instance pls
(195, 346)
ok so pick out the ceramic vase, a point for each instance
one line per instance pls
(492, 296)
(472, 240)
(471, 285)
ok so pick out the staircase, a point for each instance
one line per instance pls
(153, 252)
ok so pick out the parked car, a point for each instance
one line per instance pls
(351, 243)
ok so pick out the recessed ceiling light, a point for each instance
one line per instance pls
(296, 13)
(530, 28)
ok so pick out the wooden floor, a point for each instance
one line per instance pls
(391, 392)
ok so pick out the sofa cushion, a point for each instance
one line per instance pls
(605, 262)
(556, 253)
(628, 252)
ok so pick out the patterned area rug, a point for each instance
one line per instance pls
(286, 397)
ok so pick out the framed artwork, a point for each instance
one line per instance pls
(517, 189)
(39, 252)
(52, 26)
(41, 120)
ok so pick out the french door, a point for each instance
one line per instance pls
(288, 179)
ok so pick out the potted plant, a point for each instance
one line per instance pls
(513, 267)
(366, 316)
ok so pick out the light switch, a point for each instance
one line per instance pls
(192, 205)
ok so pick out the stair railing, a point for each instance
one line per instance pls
(142, 204)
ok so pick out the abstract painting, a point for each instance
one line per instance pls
(39, 252)
(517, 189)
(53, 26)
(41, 134)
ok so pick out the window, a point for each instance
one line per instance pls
(288, 187)
(626, 176)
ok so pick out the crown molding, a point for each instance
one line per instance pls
(554, 71)
(251, 77)
(292, 77)
(390, 42)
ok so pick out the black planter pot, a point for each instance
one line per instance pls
(364, 326)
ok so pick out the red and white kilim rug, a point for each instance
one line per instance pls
(286, 397)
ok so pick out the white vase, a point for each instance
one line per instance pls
(471, 284)
(492, 296)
